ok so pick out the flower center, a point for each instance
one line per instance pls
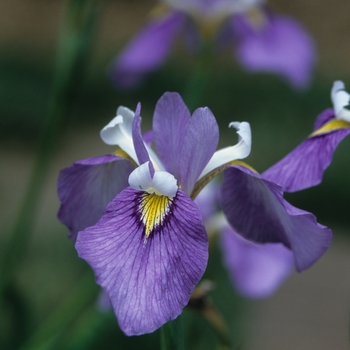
(153, 209)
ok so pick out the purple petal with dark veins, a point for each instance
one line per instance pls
(304, 166)
(147, 51)
(148, 280)
(199, 145)
(86, 187)
(256, 270)
(255, 208)
(170, 122)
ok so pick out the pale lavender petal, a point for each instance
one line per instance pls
(199, 145)
(211, 9)
(139, 145)
(170, 122)
(256, 270)
(147, 51)
(255, 208)
(207, 200)
(148, 280)
(304, 166)
(281, 46)
(86, 187)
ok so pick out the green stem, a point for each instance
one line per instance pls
(82, 296)
(74, 44)
(172, 335)
(199, 79)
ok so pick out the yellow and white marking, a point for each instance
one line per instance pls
(153, 208)
(332, 125)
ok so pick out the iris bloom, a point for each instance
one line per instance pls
(305, 165)
(134, 220)
(255, 270)
(261, 40)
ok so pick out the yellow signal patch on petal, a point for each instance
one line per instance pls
(153, 208)
(332, 125)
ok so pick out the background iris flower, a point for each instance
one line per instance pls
(305, 165)
(261, 40)
(137, 226)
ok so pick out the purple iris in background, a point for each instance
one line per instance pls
(134, 219)
(305, 165)
(261, 40)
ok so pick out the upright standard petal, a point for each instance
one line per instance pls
(170, 122)
(199, 145)
(256, 270)
(304, 166)
(148, 267)
(86, 187)
(256, 209)
(147, 51)
(279, 45)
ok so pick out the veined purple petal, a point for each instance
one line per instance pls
(170, 122)
(281, 46)
(305, 165)
(199, 145)
(255, 208)
(147, 51)
(148, 280)
(256, 270)
(86, 187)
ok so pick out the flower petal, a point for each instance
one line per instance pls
(199, 145)
(228, 154)
(340, 99)
(119, 132)
(86, 187)
(255, 208)
(280, 45)
(139, 144)
(170, 122)
(162, 182)
(148, 280)
(305, 165)
(256, 270)
(147, 51)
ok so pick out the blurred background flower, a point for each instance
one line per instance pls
(310, 309)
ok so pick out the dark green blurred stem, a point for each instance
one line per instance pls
(201, 303)
(172, 335)
(73, 49)
(82, 296)
(200, 78)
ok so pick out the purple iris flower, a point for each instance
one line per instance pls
(134, 219)
(305, 165)
(255, 270)
(261, 40)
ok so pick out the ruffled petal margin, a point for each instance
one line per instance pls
(256, 270)
(86, 187)
(148, 279)
(255, 208)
